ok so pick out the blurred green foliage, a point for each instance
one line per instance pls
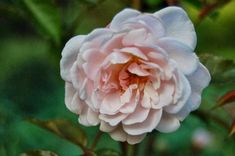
(33, 33)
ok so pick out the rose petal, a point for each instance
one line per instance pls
(72, 100)
(134, 37)
(153, 24)
(116, 58)
(138, 116)
(146, 126)
(134, 68)
(94, 59)
(126, 96)
(118, 134)
(200, 78)
(111, 104)
(99, 35)
(177, 25)
(168, 124)
(69, 55)
(165, 94)
(131, 105)
(113, 43)
(174, 108)
(198, 81)
(92, 117)
(123, 16)
(186, 60)
(113, 120)
(83, 117)
(134, 139)
(134, 51)
(105, 127)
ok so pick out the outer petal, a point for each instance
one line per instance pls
(168, 124)
(134, 139)
(175, 108)
(153, 24)
(83, 117)
(72, 101)
(118, 134)
(123, 16)
(92, 117)
(113, 120)
(146, 126)
(111, 104)
(105, 127)
(138, 116)
(198, 80)
(186, 60)
(178, 25)
(69, 55)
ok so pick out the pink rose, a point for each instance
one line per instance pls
(136, 75)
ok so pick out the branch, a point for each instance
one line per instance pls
(172, 2)
(208, 8)
(96, 140)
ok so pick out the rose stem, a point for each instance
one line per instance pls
(131, 150)
(135, 150)
(208, 8)
(150, 143)
(124, 146)
(136, 4)
(95, 141)
(172, 2)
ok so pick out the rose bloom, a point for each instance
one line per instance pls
(136, 75)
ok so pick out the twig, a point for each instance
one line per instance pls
(136, 4)
(96, 140)
(124, 147)
(172, 2)
(135, 149)
(208, 8)
(150, 144)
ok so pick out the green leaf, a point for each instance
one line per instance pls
(64, 129)
(221, 69)
(107, 152)
(46, 15)
(39, 153)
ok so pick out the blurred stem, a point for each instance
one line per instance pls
(136, 4)
(96, 140)
(150, 144)
(131, 150)
(124, 147)
(172, 2)
(210, 7)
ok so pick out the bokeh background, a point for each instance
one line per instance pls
(32, 35)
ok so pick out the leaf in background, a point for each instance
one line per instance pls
(221, 69)
(64, 129)
(226, 98)
(47, 16)
(107, 152)
(39, 153)
(232, 130)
